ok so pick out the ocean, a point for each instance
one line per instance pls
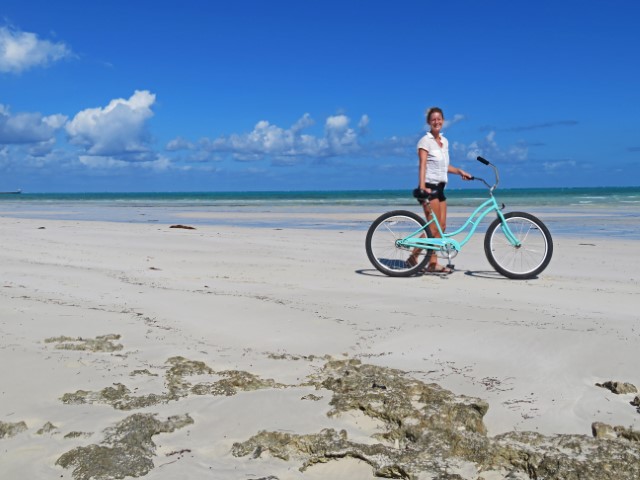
(613, 211)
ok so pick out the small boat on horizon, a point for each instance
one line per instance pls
(15, 192)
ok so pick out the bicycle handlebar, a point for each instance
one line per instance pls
(422, 195)
(495, 171)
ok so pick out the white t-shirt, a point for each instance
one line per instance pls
(437, 158)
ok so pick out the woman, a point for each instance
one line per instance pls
(433, 153)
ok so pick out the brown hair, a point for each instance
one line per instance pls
(434, 110)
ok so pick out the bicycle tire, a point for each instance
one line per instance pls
(530, 258)
(382, 250)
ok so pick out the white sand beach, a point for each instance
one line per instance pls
(277, 303)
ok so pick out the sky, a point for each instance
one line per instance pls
(243, 95)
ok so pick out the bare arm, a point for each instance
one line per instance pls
(422, 156)
(459, 171)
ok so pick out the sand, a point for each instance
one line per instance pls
(277, 303)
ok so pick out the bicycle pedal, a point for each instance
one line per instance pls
(450, 266)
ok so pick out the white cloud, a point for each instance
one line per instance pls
(21, 51)
(179, 143)
(337, 122)
(363, 124)
(27, 128)
(342, 139)
(489, 148)
(558, 165)
(106, 162)
(457, 118)
(101, 162)
(290, 145)
(302, 123)
(117, 130)
(42, 149)
(55, 121)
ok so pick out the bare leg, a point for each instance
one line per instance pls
(415, 253)
(436, 209)
(439, 209)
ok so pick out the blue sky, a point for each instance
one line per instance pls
(308, 95)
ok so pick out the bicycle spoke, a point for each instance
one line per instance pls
(382, 247)
(527, 259)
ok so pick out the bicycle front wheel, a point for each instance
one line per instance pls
(526, 260)
(383, 250)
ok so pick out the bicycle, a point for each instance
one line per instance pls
(517, 244)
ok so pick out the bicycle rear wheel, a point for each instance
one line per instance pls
(383, 251)
(526, 260)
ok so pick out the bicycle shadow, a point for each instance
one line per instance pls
(486, 274)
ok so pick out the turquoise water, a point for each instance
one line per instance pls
(614, 211)
(551, 197)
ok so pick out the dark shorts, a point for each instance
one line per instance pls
(437, 191)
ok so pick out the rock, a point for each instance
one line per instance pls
(619, 388)
(432, 433)
(76, 434)
(127, 451)
(312, 397)
(11, 429)
(102, 343)
(47, 428)
(186, 227)
(628, 433)
(602, 430)
(119, 396)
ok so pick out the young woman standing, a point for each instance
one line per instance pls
(434, 167)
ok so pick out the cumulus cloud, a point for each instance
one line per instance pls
(106, 162)
(488, 147)
(117, 130)
(552, 166)
(341, 138)
(21, 51)
(457, 118)
(28, 128)
(179, 143)
(289, 145)
(538, 126)
(42, 149)
(363, 124)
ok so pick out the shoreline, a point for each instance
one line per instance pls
(566, 221)
(533, 350)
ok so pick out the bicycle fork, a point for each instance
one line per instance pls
(507, 231)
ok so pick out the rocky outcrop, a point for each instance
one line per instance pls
(11, 429)
(602, 430)
(47, 428)
(102, 343)
(127, 450)
(619, 388)
(432, 433)
(179, 370)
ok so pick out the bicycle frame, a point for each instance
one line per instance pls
(420, 238)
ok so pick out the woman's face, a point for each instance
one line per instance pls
(435, 122)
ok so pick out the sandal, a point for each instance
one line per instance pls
(438, 269)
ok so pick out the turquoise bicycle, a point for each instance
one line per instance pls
(517, 244)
